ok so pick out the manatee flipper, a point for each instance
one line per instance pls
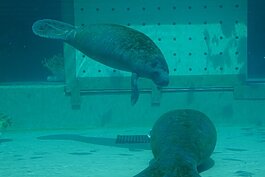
(135, 91)
(53, 29)
(152, 171)
(207, 164)
(163, 168)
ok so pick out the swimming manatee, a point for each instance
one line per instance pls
(181, 140)
(114, 45)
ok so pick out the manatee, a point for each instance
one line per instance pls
(181, 140)
(114, 45)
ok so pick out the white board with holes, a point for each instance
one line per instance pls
(197, 37)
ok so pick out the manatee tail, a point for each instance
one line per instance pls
(53, 29)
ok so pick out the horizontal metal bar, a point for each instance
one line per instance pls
(200, 89)
(165, 90)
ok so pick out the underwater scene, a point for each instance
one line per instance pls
(138, 88)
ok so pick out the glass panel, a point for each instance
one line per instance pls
(256, 40)
(21, 52)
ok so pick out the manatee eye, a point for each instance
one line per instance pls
(155, 74)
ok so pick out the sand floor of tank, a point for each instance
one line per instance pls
(64, 153)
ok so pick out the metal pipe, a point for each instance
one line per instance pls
(164, 90)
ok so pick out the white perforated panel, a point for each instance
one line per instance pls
(197, 37)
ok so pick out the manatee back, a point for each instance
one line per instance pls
(117, 46)
(186, 131)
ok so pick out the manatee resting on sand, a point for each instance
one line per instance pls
(116, 46)
(181, 140)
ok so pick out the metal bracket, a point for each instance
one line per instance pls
(156, 96)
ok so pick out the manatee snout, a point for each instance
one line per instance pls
(157, 70)
(160, 77)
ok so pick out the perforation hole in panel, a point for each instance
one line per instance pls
(196, 37)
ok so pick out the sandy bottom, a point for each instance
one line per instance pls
(93, 153)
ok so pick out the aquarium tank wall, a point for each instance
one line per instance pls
(100, 87)
(204, 44)
(255, 61)
(21, 52)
